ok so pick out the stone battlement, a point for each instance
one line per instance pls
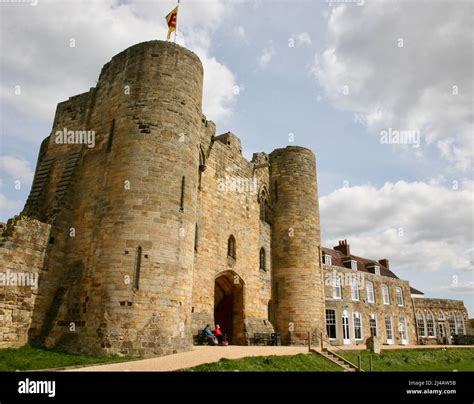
(159, 227)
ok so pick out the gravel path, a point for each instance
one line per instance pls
(198, 356)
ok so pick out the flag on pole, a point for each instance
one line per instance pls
(171, 19)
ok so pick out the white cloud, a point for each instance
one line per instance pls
(303, 38)
(267, 55)
(17, 169)
(219, 88)
(8, 207)
(461, 287)
(404, 88)
(240, 33)
(37, 57)
(417, 226)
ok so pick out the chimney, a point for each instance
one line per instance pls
(343, 247)
(384, 262)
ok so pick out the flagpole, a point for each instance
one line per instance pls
(176, 28)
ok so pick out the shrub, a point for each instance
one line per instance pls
(463, 339)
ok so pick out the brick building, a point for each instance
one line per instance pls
(142, 226)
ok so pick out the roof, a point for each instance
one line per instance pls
(414, 291)
(363, 264)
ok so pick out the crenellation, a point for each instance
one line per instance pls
(161, 227)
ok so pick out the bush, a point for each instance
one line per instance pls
(463, 339)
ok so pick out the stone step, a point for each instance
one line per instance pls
(340, 362)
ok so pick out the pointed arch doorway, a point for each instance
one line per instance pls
(229, 306)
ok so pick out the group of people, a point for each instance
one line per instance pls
(215, 336)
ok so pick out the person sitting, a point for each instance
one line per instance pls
(221, 337)
(218, 333)
(209, 335)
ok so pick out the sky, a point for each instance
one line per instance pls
(342, 78)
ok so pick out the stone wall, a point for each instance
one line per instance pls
(122, 282)
(130, 237)
(298, 295)
(443, 312)
(23, 248)
(229, 206)
(362, 306)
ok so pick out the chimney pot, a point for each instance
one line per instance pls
(343, 247)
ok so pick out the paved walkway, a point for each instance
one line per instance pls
(198, 356)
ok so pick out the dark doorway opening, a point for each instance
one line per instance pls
(229, 306)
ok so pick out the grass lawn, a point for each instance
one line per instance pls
(461, 359)
(28, 358)
(293, 363)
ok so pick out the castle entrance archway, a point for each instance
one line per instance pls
(229, 306)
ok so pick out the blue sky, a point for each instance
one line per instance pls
(413, 205)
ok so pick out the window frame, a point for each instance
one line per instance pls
(372, 292)
(327, 259)
(430, 325)
(385, 295)
(452, 323)
(419, 316)
(357, 318)
(355, 289)
(336, 286)
(460, 324)
(330, 324)
(387, 329)
(399, 294)
(373, 318)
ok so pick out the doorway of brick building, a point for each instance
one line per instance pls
(346, 339)
(229, 306)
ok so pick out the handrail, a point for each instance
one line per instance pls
(329, 343)
(359, 368)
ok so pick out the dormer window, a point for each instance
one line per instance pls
(327, 259)
(350, 263)
(376, 270)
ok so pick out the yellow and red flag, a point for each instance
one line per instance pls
(172, 19)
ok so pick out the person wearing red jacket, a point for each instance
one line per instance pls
(219, 335)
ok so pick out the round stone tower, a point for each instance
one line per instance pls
(133, 210)
(297, 292)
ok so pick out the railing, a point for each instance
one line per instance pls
(358, 367)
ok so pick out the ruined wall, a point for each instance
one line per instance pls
(229, 205)
(57, 161)
(298, 295)
(362, 306)
(23, 247)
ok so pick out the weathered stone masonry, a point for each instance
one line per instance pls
(162, 226)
